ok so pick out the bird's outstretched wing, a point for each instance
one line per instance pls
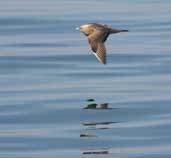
(101, 53)
(99, 50)
(96, 40)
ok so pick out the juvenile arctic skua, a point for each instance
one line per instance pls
(97, 34)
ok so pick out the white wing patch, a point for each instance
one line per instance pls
(101, 53)
(97, 57)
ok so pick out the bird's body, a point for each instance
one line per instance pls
(97, 34)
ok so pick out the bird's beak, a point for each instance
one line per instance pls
(78, 28)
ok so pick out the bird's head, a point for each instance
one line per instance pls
(86, 29)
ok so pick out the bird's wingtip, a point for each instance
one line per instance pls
(103, 62)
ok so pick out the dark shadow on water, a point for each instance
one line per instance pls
(96, 125)
(93, 105)
(90, 100)
(97, 151)
(88, 135)
(97, 128)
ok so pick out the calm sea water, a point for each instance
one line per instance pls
(47, 72)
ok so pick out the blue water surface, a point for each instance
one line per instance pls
(47, 72)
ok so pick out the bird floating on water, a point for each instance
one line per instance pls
(97, 35)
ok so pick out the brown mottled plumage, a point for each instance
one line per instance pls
(97, 34)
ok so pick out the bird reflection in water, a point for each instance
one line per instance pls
(96, 125)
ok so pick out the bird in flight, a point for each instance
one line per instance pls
(97, 34)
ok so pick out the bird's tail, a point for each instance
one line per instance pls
(117, 30)
(124, 30)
